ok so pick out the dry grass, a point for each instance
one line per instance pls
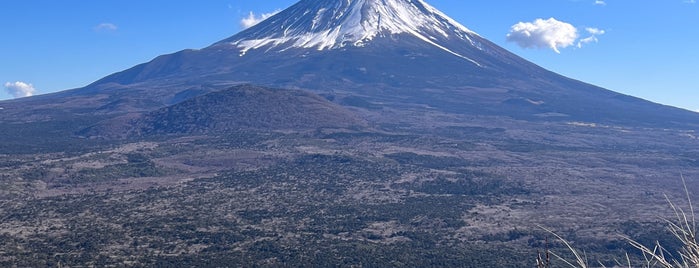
(545, 261)
(683, 227)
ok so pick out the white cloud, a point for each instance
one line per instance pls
(594, 32)
(600, 3)
(106, 27)
(252, 19)
(19, 89)
(541, 33)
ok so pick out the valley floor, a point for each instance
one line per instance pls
(466, 195)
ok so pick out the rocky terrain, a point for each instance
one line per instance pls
(443, 195)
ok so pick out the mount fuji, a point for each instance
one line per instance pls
(388, 53)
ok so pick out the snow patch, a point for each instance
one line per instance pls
(337, 24)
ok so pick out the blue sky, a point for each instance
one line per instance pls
(642, 48)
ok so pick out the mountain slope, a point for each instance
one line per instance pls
(408, 32)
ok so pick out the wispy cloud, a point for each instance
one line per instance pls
(541, 33)
(106, 27)
(690, 1)
(594, 32)
(600, 3)
(19, 89)
(252, 19)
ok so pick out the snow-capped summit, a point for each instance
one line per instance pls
(333, 24)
